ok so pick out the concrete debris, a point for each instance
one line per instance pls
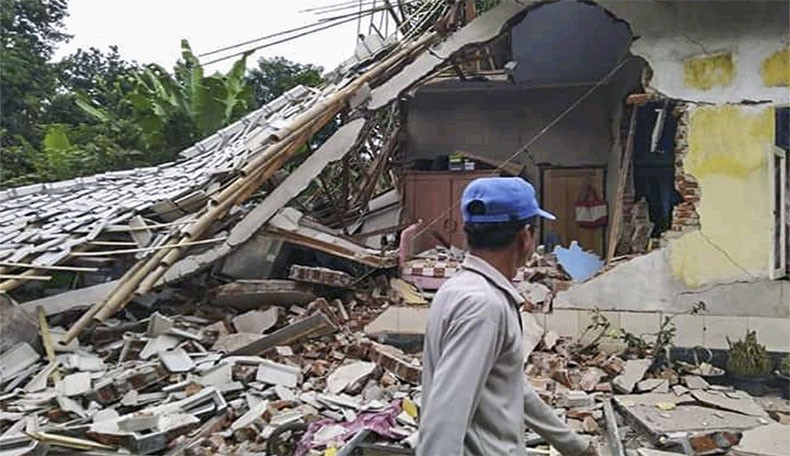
(256, 321)
(249, 294)
(75, 384)
(657, 385)
(321, 276)
(278, 374)
(695, 382)
(20, 357)
(633, 372)
(768, 440)
(177, 360)
(350, 377)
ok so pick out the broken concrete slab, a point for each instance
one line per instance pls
(658, 385)
(278, 374)
(256, 321)
(695, 382)
(218, 375)
(687, 418)
(158, 344)
(158, 324)
(177, 360)
(71, 300)
(350, 377)
(17, 325)
(746, 406)
(769, 440)
(75, 384)
(633, 371)
(17, 359)
(253, 294)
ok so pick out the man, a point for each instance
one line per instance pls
(475, 398)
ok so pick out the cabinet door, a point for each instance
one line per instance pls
(429, 202)
(561, 190)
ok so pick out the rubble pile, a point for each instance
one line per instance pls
(274, 380)
(653, 409)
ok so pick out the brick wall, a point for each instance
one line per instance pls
(684, 217)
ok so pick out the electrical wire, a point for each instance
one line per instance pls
(537, 136)
(284, 40)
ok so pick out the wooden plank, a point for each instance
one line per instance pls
(616, 220)
(310, 326)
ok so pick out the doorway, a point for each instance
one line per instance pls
(562, 188)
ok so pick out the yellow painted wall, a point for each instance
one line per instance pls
(776, 69)
(706, 71)
(727, 154)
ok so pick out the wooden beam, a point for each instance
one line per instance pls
(625, 164)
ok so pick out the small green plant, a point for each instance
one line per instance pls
(784, 366)
(747, 357)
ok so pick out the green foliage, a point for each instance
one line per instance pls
(29, 32)
(747, 357)
(93, 111)
(272, 77)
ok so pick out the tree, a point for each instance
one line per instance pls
(174, 111)
(29, 32)
(275, 76)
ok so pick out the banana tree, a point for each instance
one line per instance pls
(175, 110)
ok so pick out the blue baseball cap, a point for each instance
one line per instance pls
(503, 199)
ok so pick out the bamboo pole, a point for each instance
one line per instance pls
(48, 268)
(13, 280)
(147, 249)
(254, 174)
(46, 337)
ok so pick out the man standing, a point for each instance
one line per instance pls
(475, 400)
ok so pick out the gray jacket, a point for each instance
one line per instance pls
(474, 397)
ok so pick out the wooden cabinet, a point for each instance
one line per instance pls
(435, 198)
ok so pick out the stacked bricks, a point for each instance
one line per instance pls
(684, 217)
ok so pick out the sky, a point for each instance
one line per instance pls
(150, 31)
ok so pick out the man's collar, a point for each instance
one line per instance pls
(484, 268)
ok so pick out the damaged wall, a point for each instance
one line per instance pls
(498, 120)
(719, 58)
(727, 156)
(714, 52)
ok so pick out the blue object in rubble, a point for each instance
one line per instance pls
(580, 265)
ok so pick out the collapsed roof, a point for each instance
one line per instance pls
(167, 215)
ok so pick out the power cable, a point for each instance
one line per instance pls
(543, 131)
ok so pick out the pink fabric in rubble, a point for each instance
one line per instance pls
(379, 422)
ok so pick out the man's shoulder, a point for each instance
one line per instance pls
(467, 293)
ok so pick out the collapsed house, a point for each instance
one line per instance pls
(652, 110)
